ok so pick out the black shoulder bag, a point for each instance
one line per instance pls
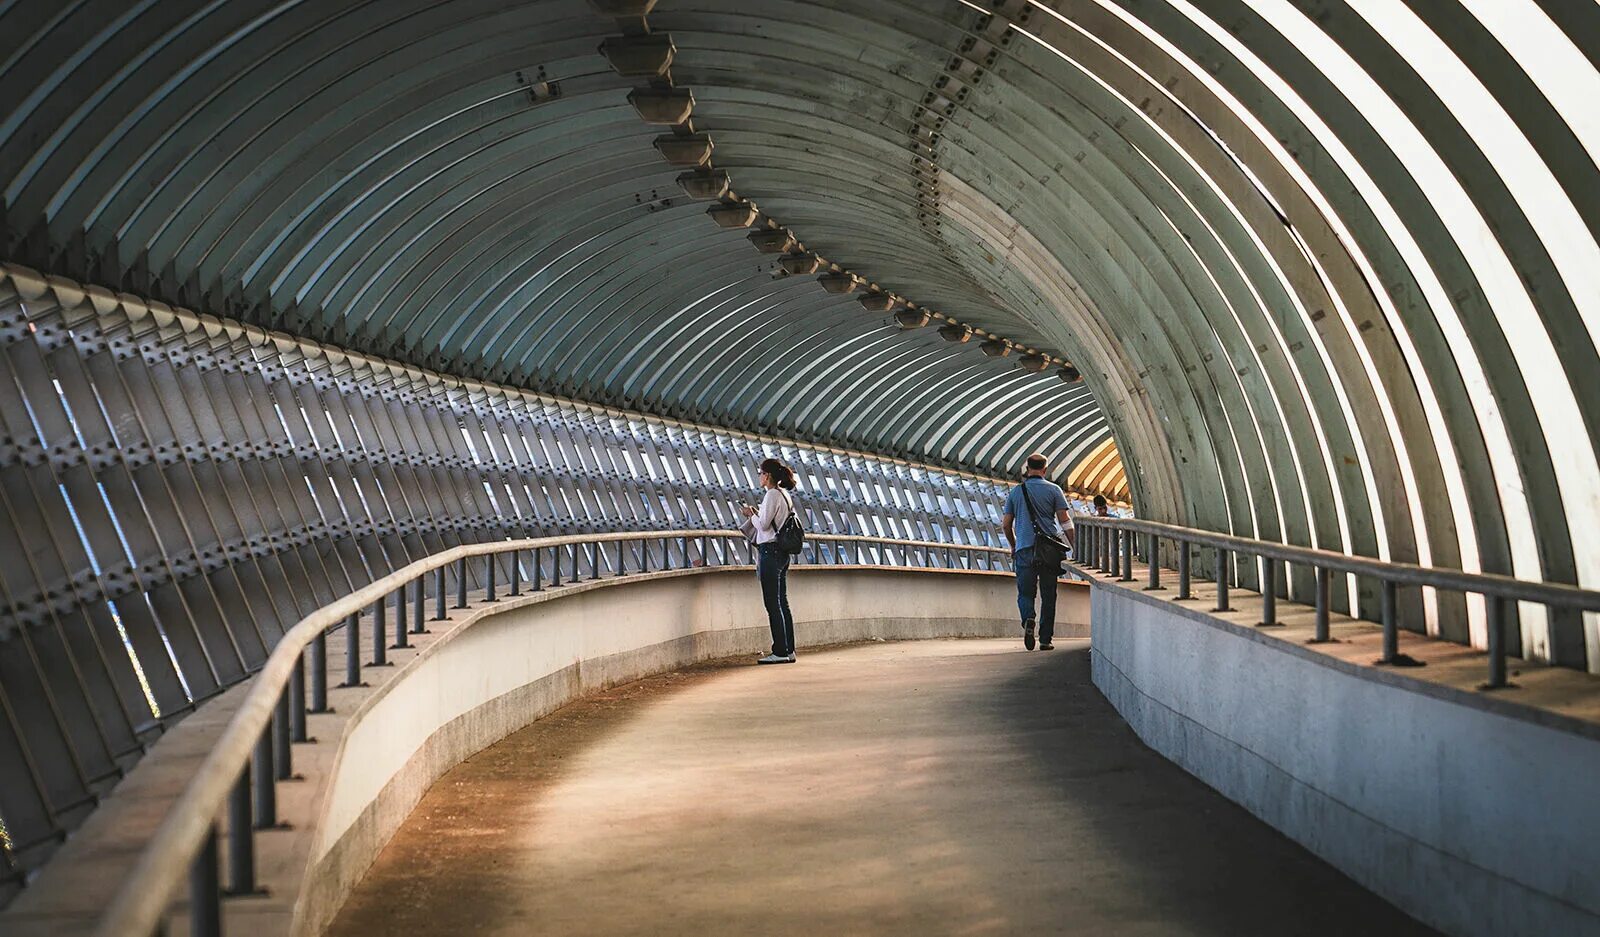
(1047, 549)
(791, 537)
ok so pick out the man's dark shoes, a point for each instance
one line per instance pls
(1027, 633)
(1046, 646)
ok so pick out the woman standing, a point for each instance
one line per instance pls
(761, 526)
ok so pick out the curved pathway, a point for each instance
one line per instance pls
(937, 787)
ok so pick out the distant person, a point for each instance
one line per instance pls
(761, 526)
(1039, 544)
(1100, 506)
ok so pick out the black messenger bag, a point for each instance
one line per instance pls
(1048, 550)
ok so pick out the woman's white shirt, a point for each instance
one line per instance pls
(763, 527)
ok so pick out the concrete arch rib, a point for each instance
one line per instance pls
(1501, 508)
(781, 71)
(1386, 404)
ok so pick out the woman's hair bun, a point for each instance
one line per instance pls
(782, 474)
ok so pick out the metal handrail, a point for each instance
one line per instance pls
(1107, 544)
(272, 713)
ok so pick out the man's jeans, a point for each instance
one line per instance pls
(1031, 580)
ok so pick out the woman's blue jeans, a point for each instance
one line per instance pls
(772, 565)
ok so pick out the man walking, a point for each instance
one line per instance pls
(1037, 547)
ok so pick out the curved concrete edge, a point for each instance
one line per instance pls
(1473, 822)
(508, 665)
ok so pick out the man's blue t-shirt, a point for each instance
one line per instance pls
(1044, 497)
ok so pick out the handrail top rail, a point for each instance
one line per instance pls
(144, 896)
(1489, 584)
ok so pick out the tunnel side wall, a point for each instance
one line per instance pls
(1471, 821)
(512, 665)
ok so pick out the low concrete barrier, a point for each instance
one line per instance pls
(491, 671)
(1471, 820)
(519, 661)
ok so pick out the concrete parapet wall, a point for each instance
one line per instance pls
(512, 663)
(516, 662)
(1473, 821)
(476, 678)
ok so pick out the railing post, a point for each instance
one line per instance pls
(205, 895)
(380, 627)
(1497, 643)
(400, 638)
(1391, 629)
(555, 565)
(1184, 584)
(266, 795)
(1153, 549)
(516, 577)
(1324, 595)
(705, 552)
(622, 558)
(352, 650)
(488, 577)
(297, 700)
(419, 607)
(241, 838)
(1269, 593)
(538, 573)
(1127, 556)
(644, 555)
(1107, 549)
(282, 753)
(1222, 582)
(319, 673)
(439, 612)
(461, 583)
(594, 557)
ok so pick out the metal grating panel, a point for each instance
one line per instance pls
(176, 491)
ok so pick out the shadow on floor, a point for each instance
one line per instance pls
(1198, 861)
(935, 787)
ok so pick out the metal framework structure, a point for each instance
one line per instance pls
(1329, 271)
(177, 490)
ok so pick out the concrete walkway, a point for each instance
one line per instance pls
(937, 787)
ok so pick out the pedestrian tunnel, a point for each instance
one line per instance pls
(294, 297)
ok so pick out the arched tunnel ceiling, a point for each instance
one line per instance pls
(1329, 268)
(381, 176)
